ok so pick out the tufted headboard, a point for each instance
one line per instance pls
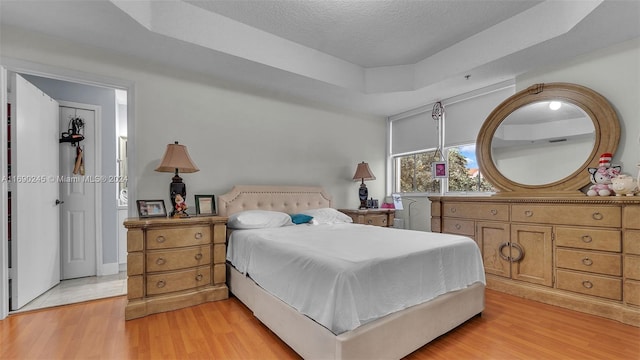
(288, 199)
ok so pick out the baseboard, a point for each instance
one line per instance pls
(108, 269)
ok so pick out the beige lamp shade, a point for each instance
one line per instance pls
(363, 173)
(176, 157)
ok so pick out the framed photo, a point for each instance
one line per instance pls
(205, 205)
(151, 208)
(439, 169)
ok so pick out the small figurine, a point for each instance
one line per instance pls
(181, 207)
(623, 185)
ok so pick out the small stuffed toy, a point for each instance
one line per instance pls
(602, 175)
(181, 206)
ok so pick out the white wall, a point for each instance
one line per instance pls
(234, 133)
(613, 72)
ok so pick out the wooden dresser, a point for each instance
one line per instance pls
(581, 253)
(376, 217)
(174, 263)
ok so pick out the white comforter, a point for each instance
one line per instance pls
(345, 275)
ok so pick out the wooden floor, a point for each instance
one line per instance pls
(510, 328)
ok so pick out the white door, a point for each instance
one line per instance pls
(35, 222)
(78, 192)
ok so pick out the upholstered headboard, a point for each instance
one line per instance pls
(288, 199)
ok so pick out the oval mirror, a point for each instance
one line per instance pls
(544, 138)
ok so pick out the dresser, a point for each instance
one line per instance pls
(174, 263)
(581, 253)
(376, 217)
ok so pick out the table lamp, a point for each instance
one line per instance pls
(176, 158)
(363, 173)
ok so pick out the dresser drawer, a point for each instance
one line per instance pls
(587, 238)
(601, 263)
(595, 285)
(178, 280)
(632, 217)
(178, 237)
(631, 241)
(178, 259)
(632, 292)
(458, 226)
(632, 267)
(588, 215)
(377, 220)
(498, 212)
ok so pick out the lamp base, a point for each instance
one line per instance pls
(363, 194)
(177, 187)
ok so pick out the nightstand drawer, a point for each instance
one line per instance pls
(178, 259)
(458, 226)
(376, 220)
(596, 285)
(601, 263)
(179, 280)
(587, 238)
(178, 237)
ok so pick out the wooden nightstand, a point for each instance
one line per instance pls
(174, 263)
(376, 217)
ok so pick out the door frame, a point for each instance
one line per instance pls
(97, 160)
(53, 72)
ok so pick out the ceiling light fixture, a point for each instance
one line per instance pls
(555, 105)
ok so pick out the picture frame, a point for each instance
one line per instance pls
(439, 169)
(151, 208)
(205, 205)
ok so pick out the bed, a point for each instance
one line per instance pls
(389, 336)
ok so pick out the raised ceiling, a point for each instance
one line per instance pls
(376, 57)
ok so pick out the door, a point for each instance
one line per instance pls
(533, 257)
(492, 238)
(35, 220)
(78, 193)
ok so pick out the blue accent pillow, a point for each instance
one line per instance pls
(300, 218)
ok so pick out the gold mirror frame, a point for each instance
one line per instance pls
(605, 122)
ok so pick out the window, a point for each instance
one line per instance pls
(464, 173)
(415, 135)
(414, 172)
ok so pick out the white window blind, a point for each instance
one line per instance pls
(414, 133)
(463, 119)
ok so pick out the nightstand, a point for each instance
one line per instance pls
(376, 217)
(174, 263)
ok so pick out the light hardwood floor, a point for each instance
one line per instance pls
(509, 328)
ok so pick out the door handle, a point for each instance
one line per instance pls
(59, 202)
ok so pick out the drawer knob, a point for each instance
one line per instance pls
(452, 209)
(161, 239)
(597, 216)
(494, 212)
(198, 235)
(528, 213)
(587, 261)
(458, 226)
(199, 277)
(369, 221)
(587, 238)
(161, 261)
(198, 257)
(161, 284)
(587, 284)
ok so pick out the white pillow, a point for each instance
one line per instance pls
(258, 219)
(327, 216)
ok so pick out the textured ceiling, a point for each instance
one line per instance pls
(370, 33)
(375, 57)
